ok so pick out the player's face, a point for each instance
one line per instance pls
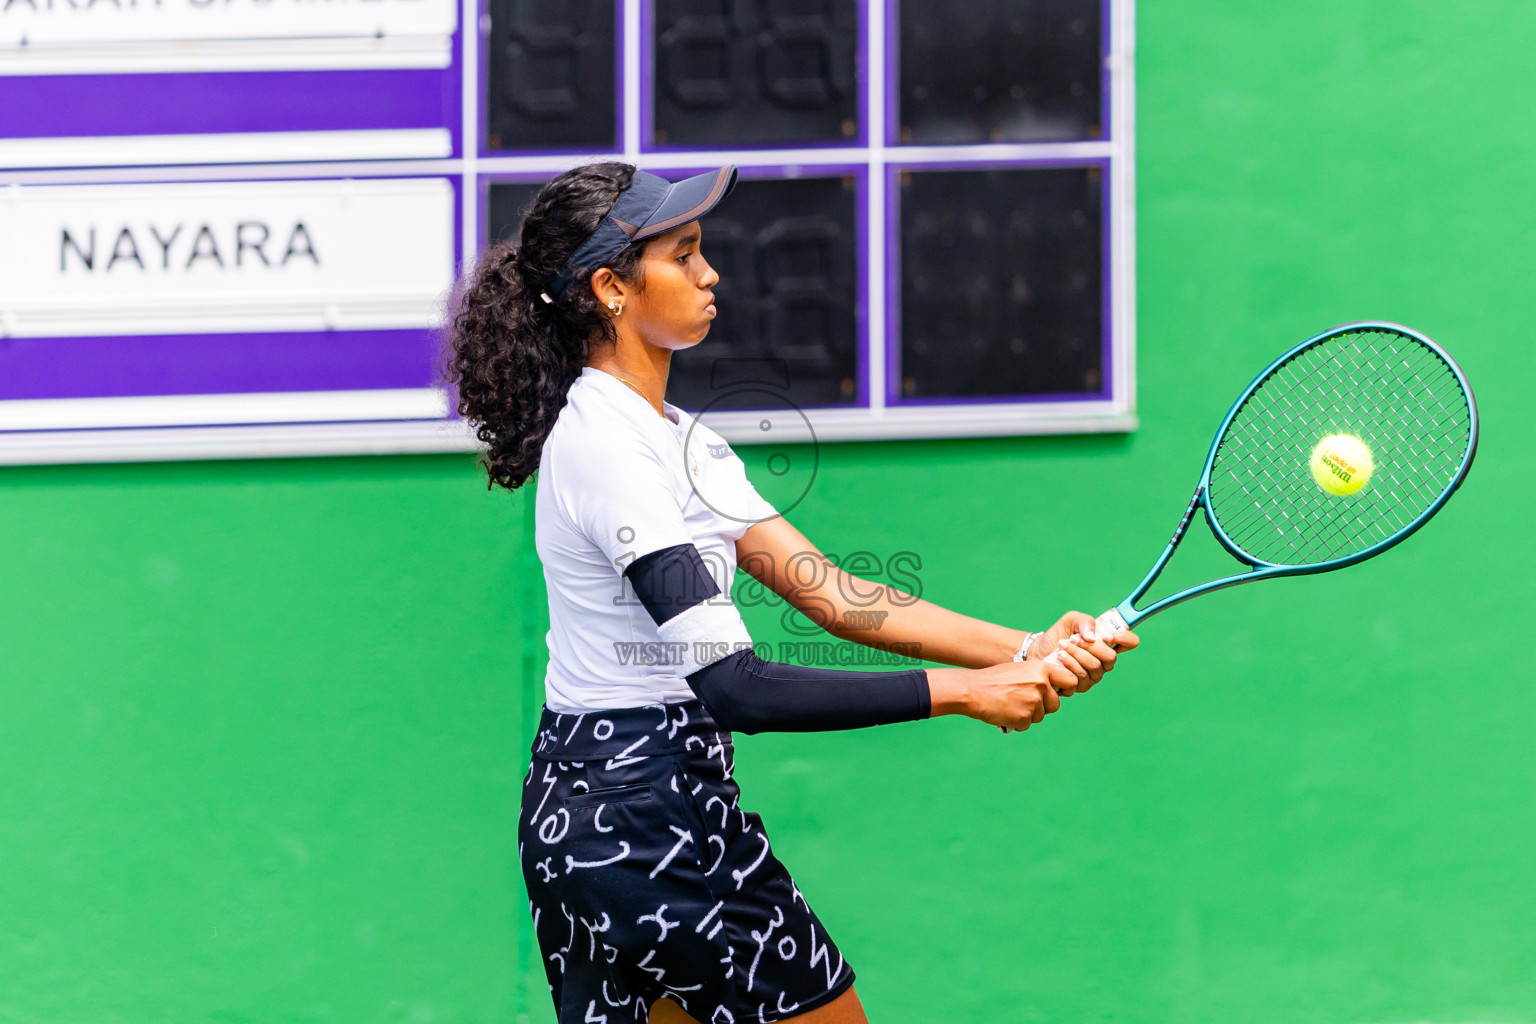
(675, 306)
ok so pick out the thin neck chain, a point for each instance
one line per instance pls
(637, 391)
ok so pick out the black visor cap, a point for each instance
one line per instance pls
(651, 206)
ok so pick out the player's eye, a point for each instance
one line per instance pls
(684, 257)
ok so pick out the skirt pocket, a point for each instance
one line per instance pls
(611, 795)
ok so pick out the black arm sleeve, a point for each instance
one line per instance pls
(750, 695)
(670, 581)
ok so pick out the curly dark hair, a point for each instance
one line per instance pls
(512, 356)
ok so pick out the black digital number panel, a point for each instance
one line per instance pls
(998, 285)
(1031, 71)
(754, 72)
(1001, 282)
(551, 75)
(505, 203)
(787, 255)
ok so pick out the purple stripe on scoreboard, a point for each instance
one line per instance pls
(61, 106)
(216, 364)
(1106, 76)
(891, 73)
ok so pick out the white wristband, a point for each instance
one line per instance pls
(1029, 638)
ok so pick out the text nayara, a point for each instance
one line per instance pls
(181, 247)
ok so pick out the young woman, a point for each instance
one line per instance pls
(654, 894)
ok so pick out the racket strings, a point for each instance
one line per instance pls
(1332, 537)
(1390, 390)
(1279, 400)
(1406, 404)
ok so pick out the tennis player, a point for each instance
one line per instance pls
(654, 893)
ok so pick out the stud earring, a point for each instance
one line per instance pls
(614, 307)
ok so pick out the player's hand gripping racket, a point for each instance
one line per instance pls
(1340, 449)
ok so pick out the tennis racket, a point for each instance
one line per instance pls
(1389, 387)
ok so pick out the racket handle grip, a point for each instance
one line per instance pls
(1108, 624)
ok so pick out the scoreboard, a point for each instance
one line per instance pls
(230, 228)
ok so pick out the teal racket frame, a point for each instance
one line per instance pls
(1260, 569)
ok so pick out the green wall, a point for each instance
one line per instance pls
(262, 724)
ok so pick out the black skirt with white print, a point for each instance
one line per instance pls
(646, 878)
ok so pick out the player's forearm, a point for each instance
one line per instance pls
(878, 615)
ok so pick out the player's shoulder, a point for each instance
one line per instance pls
(593, 437)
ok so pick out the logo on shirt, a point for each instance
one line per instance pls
(719, 451)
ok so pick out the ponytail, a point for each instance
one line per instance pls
(513, 355)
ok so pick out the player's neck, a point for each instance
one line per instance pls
(644, 368)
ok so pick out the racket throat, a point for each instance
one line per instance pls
(1178, 535)
(1126, 611)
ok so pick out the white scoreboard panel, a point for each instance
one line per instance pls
(231, 229)
(225, 256)
(69, 37)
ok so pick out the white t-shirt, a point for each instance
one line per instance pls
(616, 482)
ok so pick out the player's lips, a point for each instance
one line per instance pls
(709, 310)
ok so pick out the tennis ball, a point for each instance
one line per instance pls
(1342, 464)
